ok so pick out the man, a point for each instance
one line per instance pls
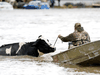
(52, 3)
(78, 37)
(58, 2)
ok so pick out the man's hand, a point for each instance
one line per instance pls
(59, 36)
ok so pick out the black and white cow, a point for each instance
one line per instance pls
(30, 48)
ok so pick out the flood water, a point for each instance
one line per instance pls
(26, 25)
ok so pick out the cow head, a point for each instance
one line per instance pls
(43, 45)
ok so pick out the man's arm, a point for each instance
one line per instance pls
(70, 37)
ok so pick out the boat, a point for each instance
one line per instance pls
(96, 5)
(36, 5)
(6, 6)
(86, 54)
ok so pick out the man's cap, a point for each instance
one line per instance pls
(77, 25)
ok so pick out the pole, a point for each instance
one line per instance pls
(55, 41)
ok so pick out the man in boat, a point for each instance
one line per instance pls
(77, 38)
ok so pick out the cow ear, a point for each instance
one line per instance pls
(40, 36)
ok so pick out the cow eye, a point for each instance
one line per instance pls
(47, 40)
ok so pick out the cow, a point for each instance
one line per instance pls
(27, 48)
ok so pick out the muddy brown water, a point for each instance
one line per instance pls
(76, 68)
(89, 68)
